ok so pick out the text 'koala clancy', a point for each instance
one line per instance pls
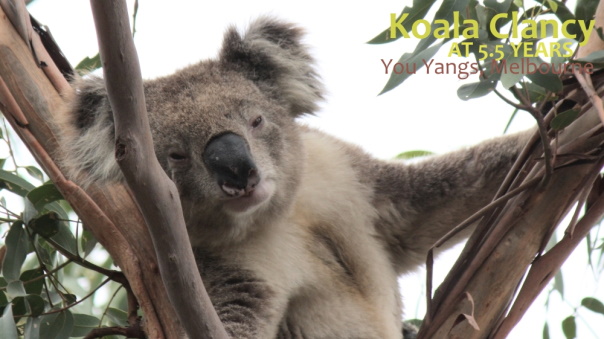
(298, 234)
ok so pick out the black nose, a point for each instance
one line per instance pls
(228, 158)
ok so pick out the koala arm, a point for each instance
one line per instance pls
(419, 203)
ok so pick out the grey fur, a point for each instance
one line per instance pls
(317, 250)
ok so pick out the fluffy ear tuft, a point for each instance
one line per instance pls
(87, 142)
(271, 54)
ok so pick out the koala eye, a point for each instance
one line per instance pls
(177, 157)
(257, 121)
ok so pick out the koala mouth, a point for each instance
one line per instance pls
(249, 199)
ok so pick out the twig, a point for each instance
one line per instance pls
(587, 85)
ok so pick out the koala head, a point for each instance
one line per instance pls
(223, 130)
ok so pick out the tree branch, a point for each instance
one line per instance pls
(154, 192)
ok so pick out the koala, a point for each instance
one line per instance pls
(297, 234)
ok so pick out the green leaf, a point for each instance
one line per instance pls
(56, 325)
(536, 93)
(559, 283)
(33, 287)
(83, 324)
(510, 78)
(569, 327)
(553, 5)
(89, 64)
(118, 317)
(593, 305)
(46, 225)
(413, 154)
(545, 331)
(3, 299)
(87, 241)
(45, 196)
(543, 78)
(414, 62)
(14, 183)
(35, 172)
(416, 12)
(415, 322)
(70, 298)
(8, 328)
(43, 253)
(498, 6)
(596, 58)
(564, 119)
(32, 328)
(564, 15)
(476, 89)
(65, 239)
(19, 307)
(17, 247)
(507, 126)
(15, 289)
(35, 305)
(445, 12)
(585, 9)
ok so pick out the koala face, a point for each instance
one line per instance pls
(232, 151)
(223, 130)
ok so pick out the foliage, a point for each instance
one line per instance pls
(55, 282)
(492, 56)
(51, 266)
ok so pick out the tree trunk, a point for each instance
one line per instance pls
(31, 102)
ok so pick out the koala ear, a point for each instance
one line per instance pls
(271, 54)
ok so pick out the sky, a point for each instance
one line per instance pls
(422, 114)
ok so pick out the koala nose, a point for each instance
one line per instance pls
(228, 158)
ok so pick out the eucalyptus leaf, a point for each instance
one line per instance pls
(498, 6)
(19, 307)
(83, 324)
(564, 119)
(476, 89)
(8, 328)
(593, 305)
(418, 11)
(414, 61)
(16, 289)
(56, 325)
(569, 327)
(35, 305)
(45, 196)
(89, 64)
(3, 299)
(118, 317)
(14, 183)
(35, 172)
(17, 247)
(445, 12)
(413, 154)
(35, 286)
(509, 77)
(547, 80)
(65, 238)
(88, 242)
(32, 328)
(559, 283)
(46, 225)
